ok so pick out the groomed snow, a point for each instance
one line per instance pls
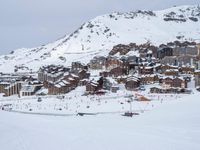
(174, 125)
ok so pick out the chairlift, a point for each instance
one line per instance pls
(130, 113)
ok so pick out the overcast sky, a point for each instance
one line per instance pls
(30, 23)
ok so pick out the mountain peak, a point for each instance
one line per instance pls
(99, 35)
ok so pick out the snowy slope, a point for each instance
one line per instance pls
(173, 126)
(98, 36)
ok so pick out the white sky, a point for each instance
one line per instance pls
(30, 23)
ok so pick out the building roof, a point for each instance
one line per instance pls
(64, 81)
(133, 78)
(28, 88)
(172, 70)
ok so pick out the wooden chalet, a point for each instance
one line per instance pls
(187, 70)
(167, 67)
(83, 82)
(10, 84)
(164, 51)
(13, 88)
(133, 62)
(83, 74)
(97, 63)
(60, 87)
(132, 83)
(3, 85)
(120, 48)
(172, 72)
(149, 79)
(92, 87)
(197, 78)
(155, 90)
(78, 66)
(118, 71)
(72, 79)
(169, 90)
(177, 82)
(146, 70)
(113, 62)
(51, 73)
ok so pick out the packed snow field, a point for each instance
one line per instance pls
(76, 102)
(174, 124)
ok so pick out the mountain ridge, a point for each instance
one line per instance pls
(99, 35)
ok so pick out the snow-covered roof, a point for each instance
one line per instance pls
(172, 70)
(4, 82)
(64, 81)
(146, 67)
(71, 79)
(149, 52)
(133, 78)
(93, 84)
(133, 53)
(61, 83)
(73, 75)
(58, 85)
(172, 77)
(197, 71)
(28, 88)
(148, 75)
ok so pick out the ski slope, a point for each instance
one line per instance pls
(175, 125)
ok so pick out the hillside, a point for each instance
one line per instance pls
(99, 35)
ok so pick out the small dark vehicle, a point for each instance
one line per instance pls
(39, 99)
(130, 114)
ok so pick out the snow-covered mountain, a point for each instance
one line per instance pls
(98, 36)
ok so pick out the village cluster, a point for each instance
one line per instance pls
(170, 68)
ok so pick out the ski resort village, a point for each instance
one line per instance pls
(129, 73)
(121, 81)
